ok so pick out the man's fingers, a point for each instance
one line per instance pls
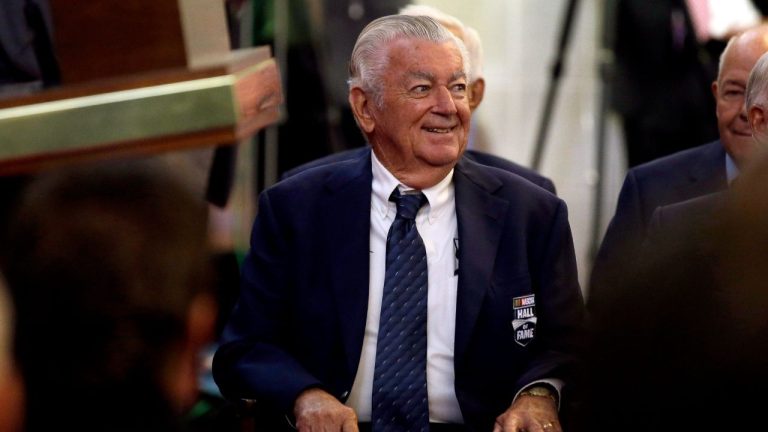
(349, 426)
(545, 426)
(508, 424)
(551, 426)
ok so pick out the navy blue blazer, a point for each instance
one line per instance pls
(301, 315)
(688, 226)
(678, 177)
(477, 156)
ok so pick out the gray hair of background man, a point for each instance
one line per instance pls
(475, 49)
(469, 36)
(757, 85)
(368, 60)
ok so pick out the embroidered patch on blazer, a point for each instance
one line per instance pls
(524, 323)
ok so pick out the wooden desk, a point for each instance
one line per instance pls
(148, 113)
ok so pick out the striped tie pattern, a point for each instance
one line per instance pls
(399, 401)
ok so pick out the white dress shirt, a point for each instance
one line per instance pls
(731, 169)
(436, 223)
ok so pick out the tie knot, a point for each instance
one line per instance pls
(407, 205)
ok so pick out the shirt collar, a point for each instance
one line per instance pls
(731, 169)
(439, 196)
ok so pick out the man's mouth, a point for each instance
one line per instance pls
(438, 130)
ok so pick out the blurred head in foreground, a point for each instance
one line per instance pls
(108, 266)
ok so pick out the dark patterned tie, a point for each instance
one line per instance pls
(400, 376)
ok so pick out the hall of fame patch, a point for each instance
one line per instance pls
(524, 323)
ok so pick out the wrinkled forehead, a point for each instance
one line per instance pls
(420, 56)
(741, 58)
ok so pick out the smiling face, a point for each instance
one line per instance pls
(422, 122)
(729, 91)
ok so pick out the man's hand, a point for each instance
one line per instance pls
(317, 411)
(529, 414)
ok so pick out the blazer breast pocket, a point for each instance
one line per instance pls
(513, 301)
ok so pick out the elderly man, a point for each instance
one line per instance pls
(700, 210)
(687, 174)
(457, 308)
(703, 210)
(475, 93)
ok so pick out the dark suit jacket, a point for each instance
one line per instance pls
(678, 177)
(694, 217)
(303, 307)
(660, 324)
(477, 156)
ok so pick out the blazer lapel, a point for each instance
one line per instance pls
(347, 215)
(480, 217)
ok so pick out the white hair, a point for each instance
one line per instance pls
(757, 85)
(469, 36)
(368, 57)
(475, 50)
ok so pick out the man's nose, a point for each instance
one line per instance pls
(444, 102)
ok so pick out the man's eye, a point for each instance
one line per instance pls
(420, 89)
(461, 88)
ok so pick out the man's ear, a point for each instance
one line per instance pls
(476, 93)
(757, 121)
(361, 105)
(201, 320)
(714, 89)
(183, 366)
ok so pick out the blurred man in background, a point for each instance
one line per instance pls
(687, 174)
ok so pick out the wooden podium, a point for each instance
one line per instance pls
(139, 77)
